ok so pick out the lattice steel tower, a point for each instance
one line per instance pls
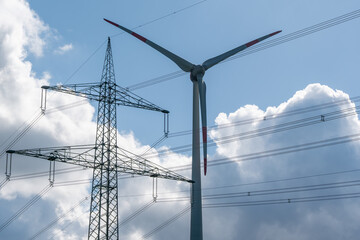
(103, 209)
(103, 156)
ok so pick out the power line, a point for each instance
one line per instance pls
(257, 183)
(318, 119)
(284, 200)
(305, 188)
(272, 191)
(67, 225)
(55, 221)
(27, 125)
(136, 213)
(239, 158)
(279, 151)
(4, 182)
(261, 46)
(167, 222)
(276, 116)
(25, 208)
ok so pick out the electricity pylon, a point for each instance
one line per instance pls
(105, 156)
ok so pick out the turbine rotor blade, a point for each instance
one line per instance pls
(213, 61)
(202, 93)
(182, 63)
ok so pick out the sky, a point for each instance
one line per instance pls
(257, 146)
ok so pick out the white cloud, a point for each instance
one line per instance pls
(63, 49)
(20, 32)
(319, 220)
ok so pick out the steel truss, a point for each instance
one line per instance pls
(105, 157)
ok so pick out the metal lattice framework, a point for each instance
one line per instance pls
(105, 157)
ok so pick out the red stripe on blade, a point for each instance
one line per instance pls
(205, 166)
(274, 33)
(249, 44)
(117, 25)
(204, 132)
(138, 36)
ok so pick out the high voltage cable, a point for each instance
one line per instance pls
(255, 183)
(277, 152)
(185, 148)
(274, 116)
(284, 200)
(4, 182)
(306, 188)
(162, 17)
(303, 32)
(244, 157)
(264, 192)
(37, 117)
(300, 33)
(25, 208)
(264, 131)
(27, 127)
(55, 221)
(136, 213)
(22, 133)
(261, 46)
(167, 222)
(257, 203)
(66, 226)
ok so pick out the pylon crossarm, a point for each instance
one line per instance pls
(137, 165)
(81, 155)
(85, 90)
(126, 98)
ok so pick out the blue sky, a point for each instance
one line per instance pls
(265, 78)
(50, 40)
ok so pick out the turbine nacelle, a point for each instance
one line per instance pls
(198, 70)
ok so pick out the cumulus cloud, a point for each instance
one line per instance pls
(238, 135)
(21, 31)
(292, 123)
(63, 49)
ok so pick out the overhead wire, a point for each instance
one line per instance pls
(247, 121)
(263, 192)
(286, 126)
(136, 213)
(55, 221)
(284, 200)
(253, 183)
(4, 182)
(305, 188)
(166, 223)
(276, 116)
(27, 125)
(30, 203)
(67, 225)
(301, 30)
(277, 152)
(233, 159)
(261, 46)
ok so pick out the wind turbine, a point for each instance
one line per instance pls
(199, 88)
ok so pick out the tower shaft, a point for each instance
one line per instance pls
(103, 223)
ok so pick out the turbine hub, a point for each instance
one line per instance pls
(198, 69)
